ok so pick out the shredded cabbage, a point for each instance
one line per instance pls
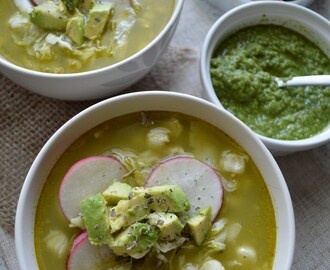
(123, 27)
(166, 246)
(136, 168)
(24, 33)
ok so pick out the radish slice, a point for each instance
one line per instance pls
(199, 181)
(85, 256)
(85, 178)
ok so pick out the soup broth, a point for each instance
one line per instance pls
(129, 29)
(247, 212)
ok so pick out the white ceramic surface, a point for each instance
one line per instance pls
(301, 19)
(98, 83)
(226, 5)
(149, 101)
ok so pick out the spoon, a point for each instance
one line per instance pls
(304, 80)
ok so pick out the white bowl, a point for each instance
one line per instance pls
(96, 83)
(151, 101)
(303, 20)
(226, 5)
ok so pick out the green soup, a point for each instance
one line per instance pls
(127, 27)
(243, 71)
(247, 213)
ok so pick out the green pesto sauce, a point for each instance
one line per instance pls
(242, 73)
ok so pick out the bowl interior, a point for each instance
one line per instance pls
(148, 101)
(308, 23)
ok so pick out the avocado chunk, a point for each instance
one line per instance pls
(135, 241)
(126, 212)
(116, 192)
(169, 198)
(49, 16)
(166, 198)
(169, 225)
(75, 29)
(96, 20)
(200, 224)
(95, 216)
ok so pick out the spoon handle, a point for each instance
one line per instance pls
(305, 80)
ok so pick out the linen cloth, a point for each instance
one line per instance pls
(28, 120)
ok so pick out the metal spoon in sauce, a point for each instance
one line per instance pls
(304, 80)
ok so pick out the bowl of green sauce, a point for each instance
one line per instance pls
(251, 45)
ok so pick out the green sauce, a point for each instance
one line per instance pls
(243, 69)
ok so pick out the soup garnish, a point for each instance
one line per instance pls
(69, 36)
(142, 218)
(118, 216)
(176, 199)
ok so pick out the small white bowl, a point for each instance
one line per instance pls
(301, 19)
(151, 101)
(226, 5)
(98, 83)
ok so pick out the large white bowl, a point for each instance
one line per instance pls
(151, 101)
(98, 83)
(301, 19)
(226, 5)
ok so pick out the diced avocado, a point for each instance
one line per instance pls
(96, 20)
(135, 241)
(75, 29)
(126, 212)
(49, 16)
(169, 225)
(200, 224)
(166, 198)
(116, 192)
(95, 216)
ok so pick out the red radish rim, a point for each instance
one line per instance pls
(77, 241)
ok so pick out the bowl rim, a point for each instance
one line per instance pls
(261, 155)
(300, 2)
(178, 5)
(282, 145)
